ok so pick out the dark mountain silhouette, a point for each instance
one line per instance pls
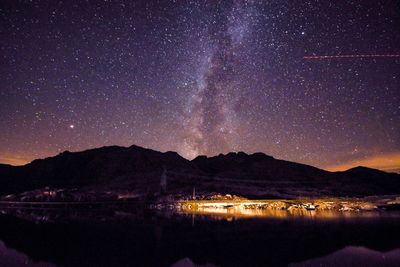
(109, 167)
(137, 169)
(257, 166)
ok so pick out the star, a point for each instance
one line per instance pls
(201, 77)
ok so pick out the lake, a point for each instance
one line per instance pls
(137, 237)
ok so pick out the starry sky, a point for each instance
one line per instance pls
(202, 77)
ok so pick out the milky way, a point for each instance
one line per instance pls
(202, 77)
(211, 122)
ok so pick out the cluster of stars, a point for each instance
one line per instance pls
(200, 77)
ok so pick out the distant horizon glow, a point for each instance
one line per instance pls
(386, 162)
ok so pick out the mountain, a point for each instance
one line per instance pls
(257, 166)
(264, 176)
(138, 171)
(108, 167)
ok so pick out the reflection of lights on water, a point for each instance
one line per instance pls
(273, 213)
(274, 209)
(243, 212)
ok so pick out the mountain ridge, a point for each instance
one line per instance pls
(138, 169)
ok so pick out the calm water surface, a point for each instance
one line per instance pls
(136, 237)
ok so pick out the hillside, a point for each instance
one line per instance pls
(139, 170)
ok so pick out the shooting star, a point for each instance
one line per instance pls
(353, 56)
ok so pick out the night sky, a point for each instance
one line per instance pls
(202, 77)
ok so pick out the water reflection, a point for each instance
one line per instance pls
(355, 256)
(12, 258)
(346, 257)
(186, 262)
(135, 237)
(240, 213)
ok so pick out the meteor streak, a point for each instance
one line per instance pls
(352, 56)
